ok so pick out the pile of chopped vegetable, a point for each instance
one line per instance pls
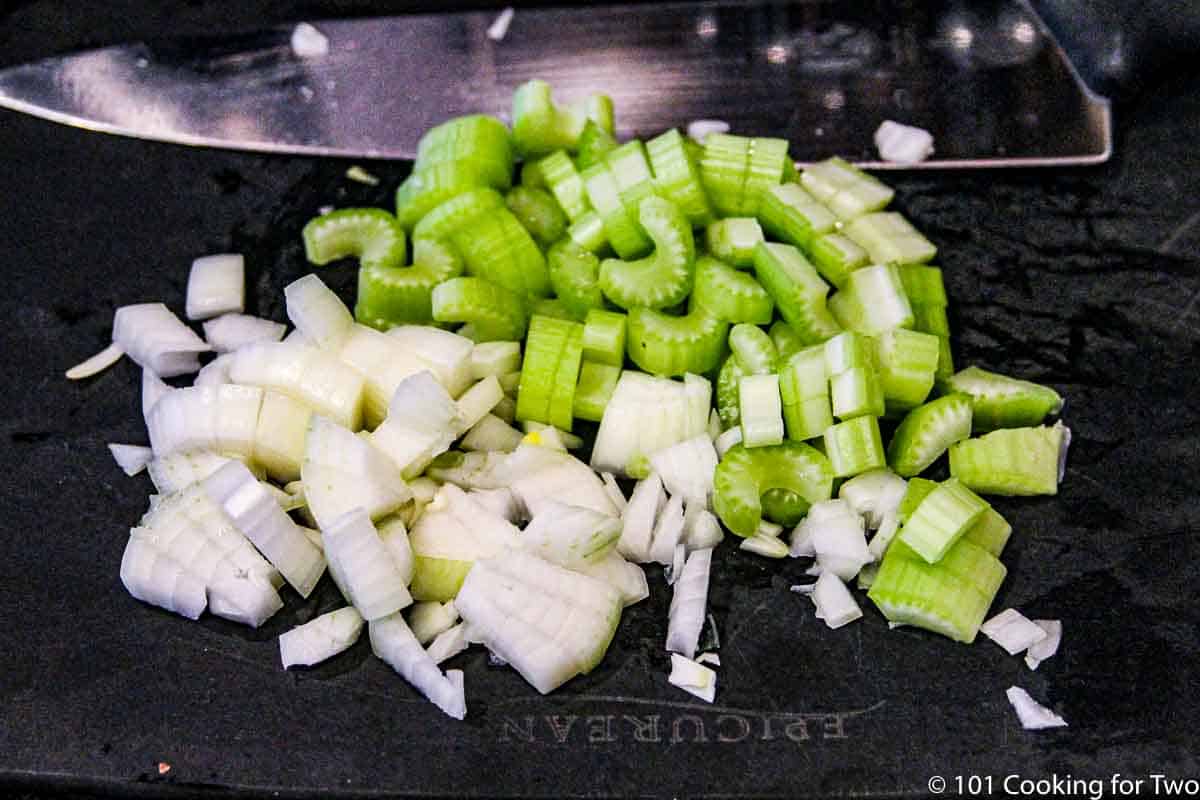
(418, 447)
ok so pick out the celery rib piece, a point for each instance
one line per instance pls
(928, 431)
(1004, 402)
(890, 238)
(797, 289)
(553, 352)
(476, 138)
(729, 294)
(836, 256)
(855, 389)
(663, 278)
(677, 178)
(785, 339)
(620, 225)
(733, 240)
(423, 191)
(495, 313)
(907, 362)
(595, 388)
(662, 344)
(565, 183)
(854, 446)
(588, 233)
(727, 392)
(736, 171)
(371, 235)
(595, 142)
(496, 247)
(744, 475)
(574, 275)
(753, 349)
(390, 296)
(793, 216)
(846, 190)
(541, 127)
(761, 410)
(538, 211)
(444, 219)
(872, 301)
(604, 337)
(941, 518)
(804, 390)
(1012, 461)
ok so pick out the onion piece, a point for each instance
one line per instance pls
(1013, 631)
(500, 502)
(687, 468)
(767, 546)
(709, 658)
(317, 312)
(220, 418)
(668, 532)
(448, 643)
(838, 538)
(228, 332)
(1040, 651)
(570, 535)
(215, 372)
(157, 340)
(701, 528)
(627, 578)
(216, 285)
(492, 434)
(97, 363)
(638, 520)
(154, 577)
(834, 602)
(363, 567)
(394, 535)
(499, 27)
(700, 129)
(727, 440)
(131, 458)
(688, 603)
(392, 641)
(308, 42)
(320, 638)
(693, 677)
(1033, 715)
(153, 389)
(903, 144)
(874, 494)
(431, 619)
(614, 491)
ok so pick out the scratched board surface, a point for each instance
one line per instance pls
(1086, 280)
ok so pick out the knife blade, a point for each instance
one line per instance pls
(992, 85)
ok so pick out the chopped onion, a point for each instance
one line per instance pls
(228, 332)
(478, 401)
(903, 144)
(1013, 631)
(153, 388)
(216, 285)
(342, 471)
(772, 530)
(570, 535)
(626, 577)
(834, 602)
(154, 577)
(448, 643)
(767, 546)
(215, 372)
(668, 531)
(700, 129)
(709, 658)
(889, 526)
(500, 502)
(538, 475)
(157, 340)
(1033, 715)
(801, 542)
(701, 528)
(1040, 651)
(220, 418)
(492, 434)
(614, 491)
(421, 424)
(308, 42)
(693, 677)
(494, 358)
(639, 518)
(392, 641)
(97, 363)
(1062, 450)
(558, 438)
(838, 538)
(429, 620)
(320, 638)
(317, 312)
(394, 535)
(728, 439)
(447, 354)
(131, 458)
(363, 567)
(688, 604)
(687, 468)
(499, 27)
(874, 494)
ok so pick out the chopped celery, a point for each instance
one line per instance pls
(595, 142)
(620, 225)
(588, 232)
(476, 138)
(389, 296)
(792, 215)
(907, 363)
(457, 212)
(761, 410)
(496, 247)
(872, 301)
(630, 169)
(663, 278)
(595, 388)
(941, 518)
(604, 337)
(916, 491)
(727, 392)
(553, 307)
(1004, 402)
(553, 350)
(923, 285)
(677, 178)
(804, 390)
(541, 127)
(423, 191)
(372, 235)
(538, 211)
(927, 431)
(836, 256)
(574, 275)
(564, 182)
(662, 344)
(785, 339)
(846, 190)
(797, 289)
(744, 475)
(753, 349)
(856, 392)
(890, 238)
(731, 295)
(495, 313)
(1012, 461)
(854, 446)
(990, 531)
(733, 240)
(737, 171)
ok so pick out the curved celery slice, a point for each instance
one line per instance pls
(767, 164)
(1012, 461)
(574, 275)
(496, 247)
(531, 175)
(588, 232)
(595, 388)
(784, 507)
(890, 238)
(872, 301)
(630, 170)
(372, 235)
(620, 223)
(854, 446)
(604, 337)
(927, 431)
(444, 219)
(564, 182)
(390, 296)
(785, 339)
(836, 256)
(744, 475)
(595, 142)
(475, 137)
(665, 345)
(907, 362)
(550, 371)
(727, 392)
(495, 313)
(731, 295)
(677, 177)
(663, 278)
(846, 190)
(541, 127)
(941, 518)
(797, 289)
(733, 240)
(1004, 402)
(538, 211)
(792, 215)
(423, 191)
(753, 349)
(722, 170)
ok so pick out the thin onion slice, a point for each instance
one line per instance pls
(1040, 651)
(97, 363)
(216, 285)
(1013, 631)
(688, 603)
(158, 340)
(132, 458)
(1033, 715)
(693, 677)
(228, 332)
(320, 638)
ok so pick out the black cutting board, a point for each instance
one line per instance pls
(1086, 280)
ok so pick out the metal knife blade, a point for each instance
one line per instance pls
(990, 83)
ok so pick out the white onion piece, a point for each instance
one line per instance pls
(1013, 631)
(614, 491)
(714, 425)
(342, 471)
(903, 144)
(492, 434)
(668, 532)
(428, 620)
(448, 643)
(131, 458)
(394, 535)
(320, 638)
(727, 440)
(216, 285)
(258, 516)
(701, 528)
(97, 363)
(153, 577)
(772, 530)
(153, 389)
(767, 546)
(570, 535)
(174, 472)
(638, 520)
(694, 678)
(215, 372)
(308, 42)
(317, 312)
(392, 641)
(422, 423)
(246, 598)
(229, 332)
(221, 418)
(687, 468)
(474, 470)
(626, 577)
(499, 27)
(889, 526)
(478, 401)
(384, 364)
(675, 568)
(1062, 450)
(688, 603)
(874, 494)
(644, 415)
(500, 502)
(305, 373)
(1040, 651)
(801, 542)
(550, 436)
(281, 435)
(447, 354)
(838, 538)
(539, 475)
(363, 566)
(709, 658)
(700, 129)
(1033, 715)
(834, 602)
(157, 340)
(494, 358)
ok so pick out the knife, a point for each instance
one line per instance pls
(990, 81)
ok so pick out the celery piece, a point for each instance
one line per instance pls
(916, 491)
(662, 344)
(836, 256)
(846, 190)
(604, 337)
(767, 161)
(630, 169)
(444, 219)
(923, 286)
(389, 296)
(1012, 461)
(595, 142)
(538, 211)
(727, 392)
(731, 295)
(761, 410)
(733, 239)
(854, 446)
(371, 235)
(495, 313)
(797, 289)
(951, 597)
(723, 171)
(595, 388)
(547, 345)
(565, 183)
(890, 238)
(598, 108)
(744, 475)
(785, 339)
(848, 350)
(539, 125)
(927, 431)
(477, 138)
(804, 390)
(753, 349)
(574, 275)
(784, 507)
(856, 392)
(990, 531)
(791, 215)
(872, 301)
(423, 191)
(621, 227)
(497, 247)
(931, 319)
(907, 363)
(531, 175)
(588, 232)
(566, 378)
(1004, 402)
(662, 279)
(941, 518)
(553, 307)
(677, 177)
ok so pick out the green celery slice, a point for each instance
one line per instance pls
(907, 367)
(848, 350)
(785, 339)
(604, 337)
(731, 295)
(588, 232)
(991, 532)
(474, 137)
(1004, 402)
(744, 475)
(443, 220)
(854, 446)
(630, 169)
(872, 301)
(538, 211)
(423, 191)
(562, 398)
(856, 392)
(923, 285)
(677, 177)
(662, 344)
(595, 142)
(931, 319)
(496, 247)
(761, 410)
(621, 227)
(928, 431)
(495, 313)
(595, 388)
(804, 390)
(598, 108)
(846, 190)
(916, 491)
(723, 171)
(565, 183)
(540, 126)
(553, 307)
(941, 518)
(836, 256)
(791, 215)
(797, 289)
(662, 279)
(767, 162)
(753, 349)
(890, 238)
(371, 235)
(733, 240)
(531, 175)
(574, 275)
(390, 296)
(546, 346)
(784, 507)
(727, 392)
(1012, 461)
